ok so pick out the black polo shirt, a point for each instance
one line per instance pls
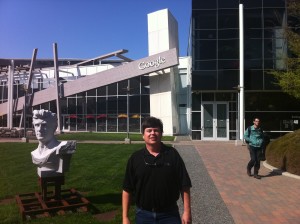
(157, 181)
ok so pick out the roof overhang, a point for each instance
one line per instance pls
(153, 63)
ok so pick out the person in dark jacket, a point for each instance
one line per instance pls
(254, 137)
(156, 176)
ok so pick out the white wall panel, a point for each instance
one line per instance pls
(163, 35)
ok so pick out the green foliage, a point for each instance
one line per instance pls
(97, 171)
(289, 79)
(284, 153)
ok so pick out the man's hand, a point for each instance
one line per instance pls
(126, 220)
(186, 218)
(187, 214)
(126, 198)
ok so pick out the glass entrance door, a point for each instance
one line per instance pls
(215, 121)
(66, 123)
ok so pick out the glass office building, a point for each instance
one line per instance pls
(215, 68)
(102, 109)
(199, 95)
(95, 95)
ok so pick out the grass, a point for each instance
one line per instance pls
(97, 171)
(79, 136)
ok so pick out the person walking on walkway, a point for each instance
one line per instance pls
(254, 137)
(156, 175)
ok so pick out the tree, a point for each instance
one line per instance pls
(289, 79)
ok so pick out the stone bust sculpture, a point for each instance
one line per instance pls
(51, 156)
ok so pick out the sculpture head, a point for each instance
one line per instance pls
(45, 124)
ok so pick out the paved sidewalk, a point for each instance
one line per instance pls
(273, 199)
(207, 204)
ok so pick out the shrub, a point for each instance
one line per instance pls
(284, 153)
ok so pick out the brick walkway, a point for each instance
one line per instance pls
(273, 199)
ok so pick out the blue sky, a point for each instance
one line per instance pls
(83, 28)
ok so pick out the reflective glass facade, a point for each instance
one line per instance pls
(215, 69)
(102, 110)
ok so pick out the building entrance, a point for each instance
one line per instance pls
(66, 123)
(215, 121)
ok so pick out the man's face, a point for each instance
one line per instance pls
(152, 136)
(43, 130)
(256, 122)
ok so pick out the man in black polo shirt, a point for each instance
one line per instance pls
(156, 176)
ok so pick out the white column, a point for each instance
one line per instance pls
(241, 84)
(162, 36)
(10, 88)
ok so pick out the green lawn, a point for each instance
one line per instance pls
(96, 171)
(105, 136)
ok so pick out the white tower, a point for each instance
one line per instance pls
(162, 36)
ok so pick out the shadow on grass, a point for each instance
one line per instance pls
(114, 199)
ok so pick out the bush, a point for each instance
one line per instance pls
(284, 153)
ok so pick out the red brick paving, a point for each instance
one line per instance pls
(273, 199)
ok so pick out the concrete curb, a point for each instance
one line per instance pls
(276, 170)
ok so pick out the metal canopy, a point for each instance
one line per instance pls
(115, 53)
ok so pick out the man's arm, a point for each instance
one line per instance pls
(186, 198)
(126, 198)
(246, 135)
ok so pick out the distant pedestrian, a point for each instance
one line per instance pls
(254, 137)
(156, 176)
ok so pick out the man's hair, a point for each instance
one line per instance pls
(256, 118)
(45, 115)
(152, 122)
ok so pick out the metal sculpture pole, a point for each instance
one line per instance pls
(56, 72)
(127, 139)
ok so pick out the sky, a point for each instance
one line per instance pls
(84, 29)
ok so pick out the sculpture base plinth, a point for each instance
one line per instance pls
(56, 182)
(32, 205)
